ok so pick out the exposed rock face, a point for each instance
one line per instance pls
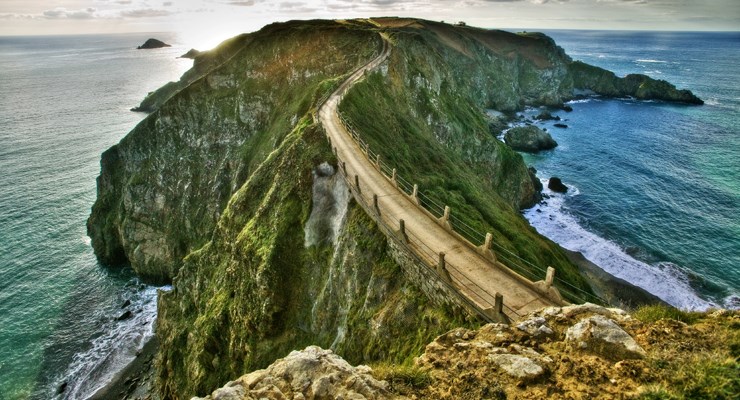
(530, 139)
(164, 186)
(153, 44)
(308, 374)
(532, 359)
(602, 336)
(546, 116)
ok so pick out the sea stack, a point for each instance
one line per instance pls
(153, 44)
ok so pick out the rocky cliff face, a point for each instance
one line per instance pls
(163, 187)
(229, 188)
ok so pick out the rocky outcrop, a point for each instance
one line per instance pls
(530, 139)
(192, 53)
(153, 44)
(603, 337)
(581, 351)
(603, 82)
(164, 186)
(556, 185)
(312, 373)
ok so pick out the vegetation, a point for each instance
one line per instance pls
(440, 140)
(703, 363)
(656, 312)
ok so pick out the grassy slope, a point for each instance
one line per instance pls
(254, 293)
(392, 115)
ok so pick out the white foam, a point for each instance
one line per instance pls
(582, 101)
(665, 280)
(114, 349)
(651, 61)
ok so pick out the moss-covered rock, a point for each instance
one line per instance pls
(529, 138)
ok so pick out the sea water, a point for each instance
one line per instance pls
(654, 188)
(63, 101)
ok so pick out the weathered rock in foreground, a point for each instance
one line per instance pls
(532, 359)
(153, 44)
(312, 373)
(530, 139)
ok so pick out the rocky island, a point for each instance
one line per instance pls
(153, 44)
(230, 190)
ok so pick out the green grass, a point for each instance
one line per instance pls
(701, 378)
(653, 313)
(470, 171)
(404, 375)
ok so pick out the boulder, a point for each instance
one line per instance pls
(153, 44)
(567, 108)
(126, 315)
(535, 326)
(546, 116)
(603, 337)
(556, 185)
(530, 139)
(312, 373)
(559, 125)
(517, 366)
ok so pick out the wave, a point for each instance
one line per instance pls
(116, 344)
(665, 280)
(651, 61)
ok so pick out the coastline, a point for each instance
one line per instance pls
(136, 380)
(618, 292)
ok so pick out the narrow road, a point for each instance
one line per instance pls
(473, 275)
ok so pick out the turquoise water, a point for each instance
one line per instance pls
(654, 187)
(64, 100)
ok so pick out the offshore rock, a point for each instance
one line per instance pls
(600, 81)
(556, 185)
(530, 139)
(312, 373)
(153, 44)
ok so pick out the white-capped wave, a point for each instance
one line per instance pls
(648, 60)
(665, 280)
(120, 340)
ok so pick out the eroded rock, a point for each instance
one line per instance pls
(312, 373)
(530, 139)
(603, 337)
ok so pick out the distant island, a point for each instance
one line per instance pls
(153, 44)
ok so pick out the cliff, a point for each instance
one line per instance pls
(228, 189)
(581, 351)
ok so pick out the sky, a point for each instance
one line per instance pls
(206, 22)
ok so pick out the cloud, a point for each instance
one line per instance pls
(247, 3)
(62, 13)
(145, 13)
(166, 4)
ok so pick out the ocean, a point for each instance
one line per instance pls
(655, 189)
(63, 101)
